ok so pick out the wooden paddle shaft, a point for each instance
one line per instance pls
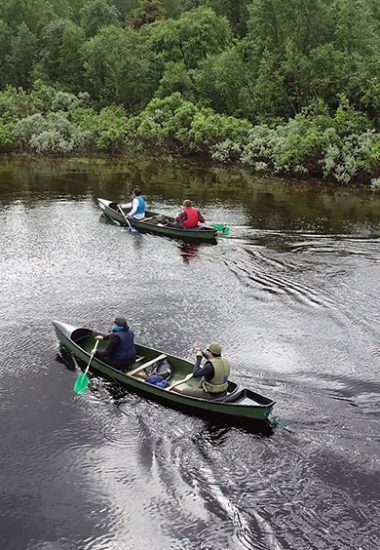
(92, 356)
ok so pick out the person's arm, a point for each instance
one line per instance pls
(182, 216)
(135, 205)
(200, 217)
(113, 342)
(207, 370)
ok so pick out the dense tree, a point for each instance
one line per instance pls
(61, 58)
(22, 55)
(34, 13)
(5, 45)
(118, 69)
(225, 83)
(96, 14)
(175, 78)
(192, 37)
(147, 12)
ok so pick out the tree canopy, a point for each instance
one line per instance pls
(262, 61)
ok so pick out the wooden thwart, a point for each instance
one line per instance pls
(145, 365)
(180, 382)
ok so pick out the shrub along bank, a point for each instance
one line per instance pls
(340, 146)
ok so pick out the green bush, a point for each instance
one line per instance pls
(50, 142)
(7, 137)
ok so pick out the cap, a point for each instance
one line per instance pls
(121, 321)
(216, 349)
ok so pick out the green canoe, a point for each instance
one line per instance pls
(147, 225)
(240, 406)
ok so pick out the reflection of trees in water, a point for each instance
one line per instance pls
(265, 203)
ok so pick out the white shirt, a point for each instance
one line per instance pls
(135, 205)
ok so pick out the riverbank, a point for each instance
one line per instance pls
(341, 148)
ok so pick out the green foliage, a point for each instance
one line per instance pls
(5, 39)
(224, 83)
(195, 75)
(22, 55)
(96, 14)
(104, 131)
(14, 103)
(175, 78)
(111, 129)
(118, 68)
(348, 120)
(34, 13)
(147, 12)
(61, 57)
(191, 38)
(209, 128)
(7, 137)
(174, 123)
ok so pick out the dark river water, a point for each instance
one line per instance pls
(293, 295)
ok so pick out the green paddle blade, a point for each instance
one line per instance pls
(223, 229)
(81, 384)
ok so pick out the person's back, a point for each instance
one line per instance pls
(138, 206)
(120, 350)
(213, 375)
(190, 216)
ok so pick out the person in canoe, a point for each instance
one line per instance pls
(120, 350)
(138, 206)
(190, 217)
(213, 374)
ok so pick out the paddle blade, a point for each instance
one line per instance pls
(81, 384)
(223, 229)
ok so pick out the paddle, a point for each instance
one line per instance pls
(180, 382)
(131, 229)
(223, 229)
(81, 383)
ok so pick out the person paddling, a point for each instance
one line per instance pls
(213, 375)
(190, 216)
(138, 206)
(120, 351)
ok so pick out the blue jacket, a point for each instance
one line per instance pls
(120, 346)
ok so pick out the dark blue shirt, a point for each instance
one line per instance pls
(207, 370)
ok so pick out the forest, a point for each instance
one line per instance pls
(289, 87)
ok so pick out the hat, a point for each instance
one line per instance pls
(216, 349)
(121, 321)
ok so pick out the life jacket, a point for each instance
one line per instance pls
(192, 218)
(141, 206)
(126, 349)
(219, 382)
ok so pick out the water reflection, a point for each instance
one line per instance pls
(236, 195)
(292, 293)
(189, 252)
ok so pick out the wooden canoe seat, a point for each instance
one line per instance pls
(148, 364)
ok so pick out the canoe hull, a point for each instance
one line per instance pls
(226, 412)
(200, 235)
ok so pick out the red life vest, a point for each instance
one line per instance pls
(192, 218)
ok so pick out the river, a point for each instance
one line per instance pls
(293, 295)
